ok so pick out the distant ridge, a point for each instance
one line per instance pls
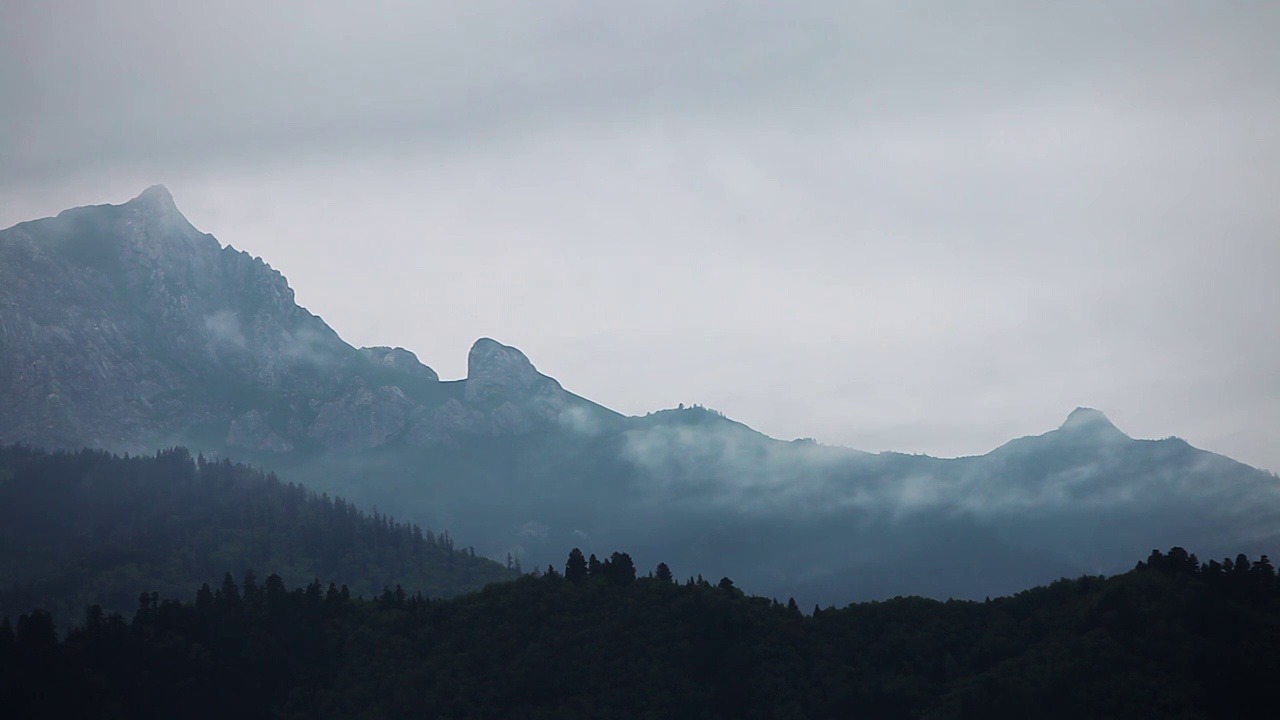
(124, 327)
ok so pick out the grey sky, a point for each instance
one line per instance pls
(926, 227)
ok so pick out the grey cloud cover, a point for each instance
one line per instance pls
(926, 227)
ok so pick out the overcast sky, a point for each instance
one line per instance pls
(926, 227)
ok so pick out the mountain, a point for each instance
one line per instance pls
(125, 328)
(90, 528)
(1170, 638)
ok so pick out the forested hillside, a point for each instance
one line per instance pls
(1170, 639)
(93, 528)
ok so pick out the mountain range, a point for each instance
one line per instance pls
(123, 327)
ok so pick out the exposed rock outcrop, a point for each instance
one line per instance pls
(448, 423)
(400, 360)
(497, 372)
(251, 431)
(362, 418)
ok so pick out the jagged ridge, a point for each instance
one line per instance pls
(124, 327)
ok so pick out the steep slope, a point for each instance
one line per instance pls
(124, 327)
(124, 323)
(91, 528)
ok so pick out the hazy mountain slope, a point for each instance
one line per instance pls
(824, 524)
(91, 528)
(122, 323)
(123, 327)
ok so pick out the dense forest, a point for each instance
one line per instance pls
(91, 528)
(1173, 638)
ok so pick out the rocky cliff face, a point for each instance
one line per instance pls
(124, 326)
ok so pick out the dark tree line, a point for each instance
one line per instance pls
(1174, 638)
(83, 528)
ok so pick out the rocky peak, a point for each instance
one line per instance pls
(1084, 420)
(399, 359)
(141, 326)
(159, 230)
(495, 370)
(157, 198)
(123, 324)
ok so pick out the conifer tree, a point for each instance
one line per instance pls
(575, 570)
(663, 573)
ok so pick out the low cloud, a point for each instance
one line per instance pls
(581, 420)
(224, 330)
(308, 345)
(534, 530)
(727, 467)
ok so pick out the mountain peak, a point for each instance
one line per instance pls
(161, 230)
(157, 197)
(488, 355)
(1086, 419)
(496, 369)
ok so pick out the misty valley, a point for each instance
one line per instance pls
(211, 504)
(585, 637)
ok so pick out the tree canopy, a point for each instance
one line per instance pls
(1172, 638)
